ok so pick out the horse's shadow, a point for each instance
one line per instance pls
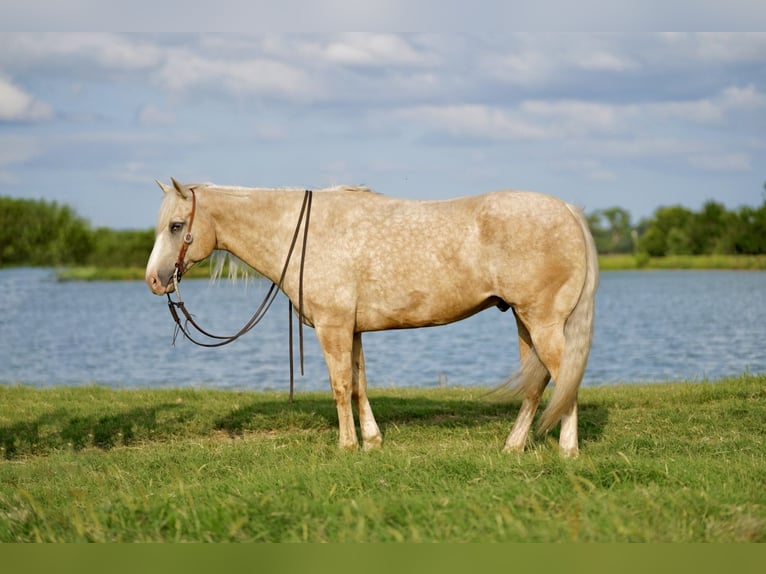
(399, 412)
(61, 428)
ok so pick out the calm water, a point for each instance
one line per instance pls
(651, 326)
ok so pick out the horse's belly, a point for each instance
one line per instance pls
(420, 308)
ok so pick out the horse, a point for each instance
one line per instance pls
(374, 262)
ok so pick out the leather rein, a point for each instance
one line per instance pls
(186, 326)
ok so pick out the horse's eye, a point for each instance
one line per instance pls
(176, 226)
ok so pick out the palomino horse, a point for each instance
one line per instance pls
(374, 263)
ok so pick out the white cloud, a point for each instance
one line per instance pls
(472, 121)
(18, 105)
(571, 117)
(184, 70)
(377, 50)
(523, 67)
(709, 110)
(633, 126)
(113, 52)
(550, 59)
(530, 120)
(699, 111)
(235, 67)
(747, 98)
(604, 61)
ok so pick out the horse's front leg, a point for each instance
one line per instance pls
(337, 346)
(371, 437)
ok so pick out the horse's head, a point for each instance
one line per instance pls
(184, 236)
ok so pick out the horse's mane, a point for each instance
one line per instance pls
(239, 189)
(234, 266)
(349, 188)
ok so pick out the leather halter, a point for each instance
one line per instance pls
(188, 238)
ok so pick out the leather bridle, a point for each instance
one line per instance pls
(219, 341)
(187, 240)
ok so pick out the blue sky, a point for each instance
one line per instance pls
(633, 120)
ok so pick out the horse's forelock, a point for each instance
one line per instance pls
(166, 211)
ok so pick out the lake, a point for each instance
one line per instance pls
(650, 326)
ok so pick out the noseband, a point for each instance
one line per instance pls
(219, 341)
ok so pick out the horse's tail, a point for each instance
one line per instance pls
(578, 334)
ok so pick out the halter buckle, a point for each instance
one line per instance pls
(188, 238)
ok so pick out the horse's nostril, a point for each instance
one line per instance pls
(153, 280)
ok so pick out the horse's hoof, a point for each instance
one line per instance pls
(514, 446)
(373, 444)
(569, 452)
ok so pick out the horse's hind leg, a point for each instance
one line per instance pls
(371, 437)
(534, 379)
(549, 343)
(568, 434)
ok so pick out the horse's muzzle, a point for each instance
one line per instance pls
(156, 285)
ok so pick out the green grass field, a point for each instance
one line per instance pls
(662, 462)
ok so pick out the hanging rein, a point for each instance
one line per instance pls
(186, 326)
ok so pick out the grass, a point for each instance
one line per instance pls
(663, 462)
(92, 273)
(729, 262)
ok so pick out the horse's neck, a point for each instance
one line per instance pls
(257, 225)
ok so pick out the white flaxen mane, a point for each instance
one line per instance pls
(245, 190)
(221, 260)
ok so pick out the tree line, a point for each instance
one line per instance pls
(677, 230)
(42, 233)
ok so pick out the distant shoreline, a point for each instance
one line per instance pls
(606, 263)
(700, 262)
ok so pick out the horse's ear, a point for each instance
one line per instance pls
(180, 190)
(165, 188)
